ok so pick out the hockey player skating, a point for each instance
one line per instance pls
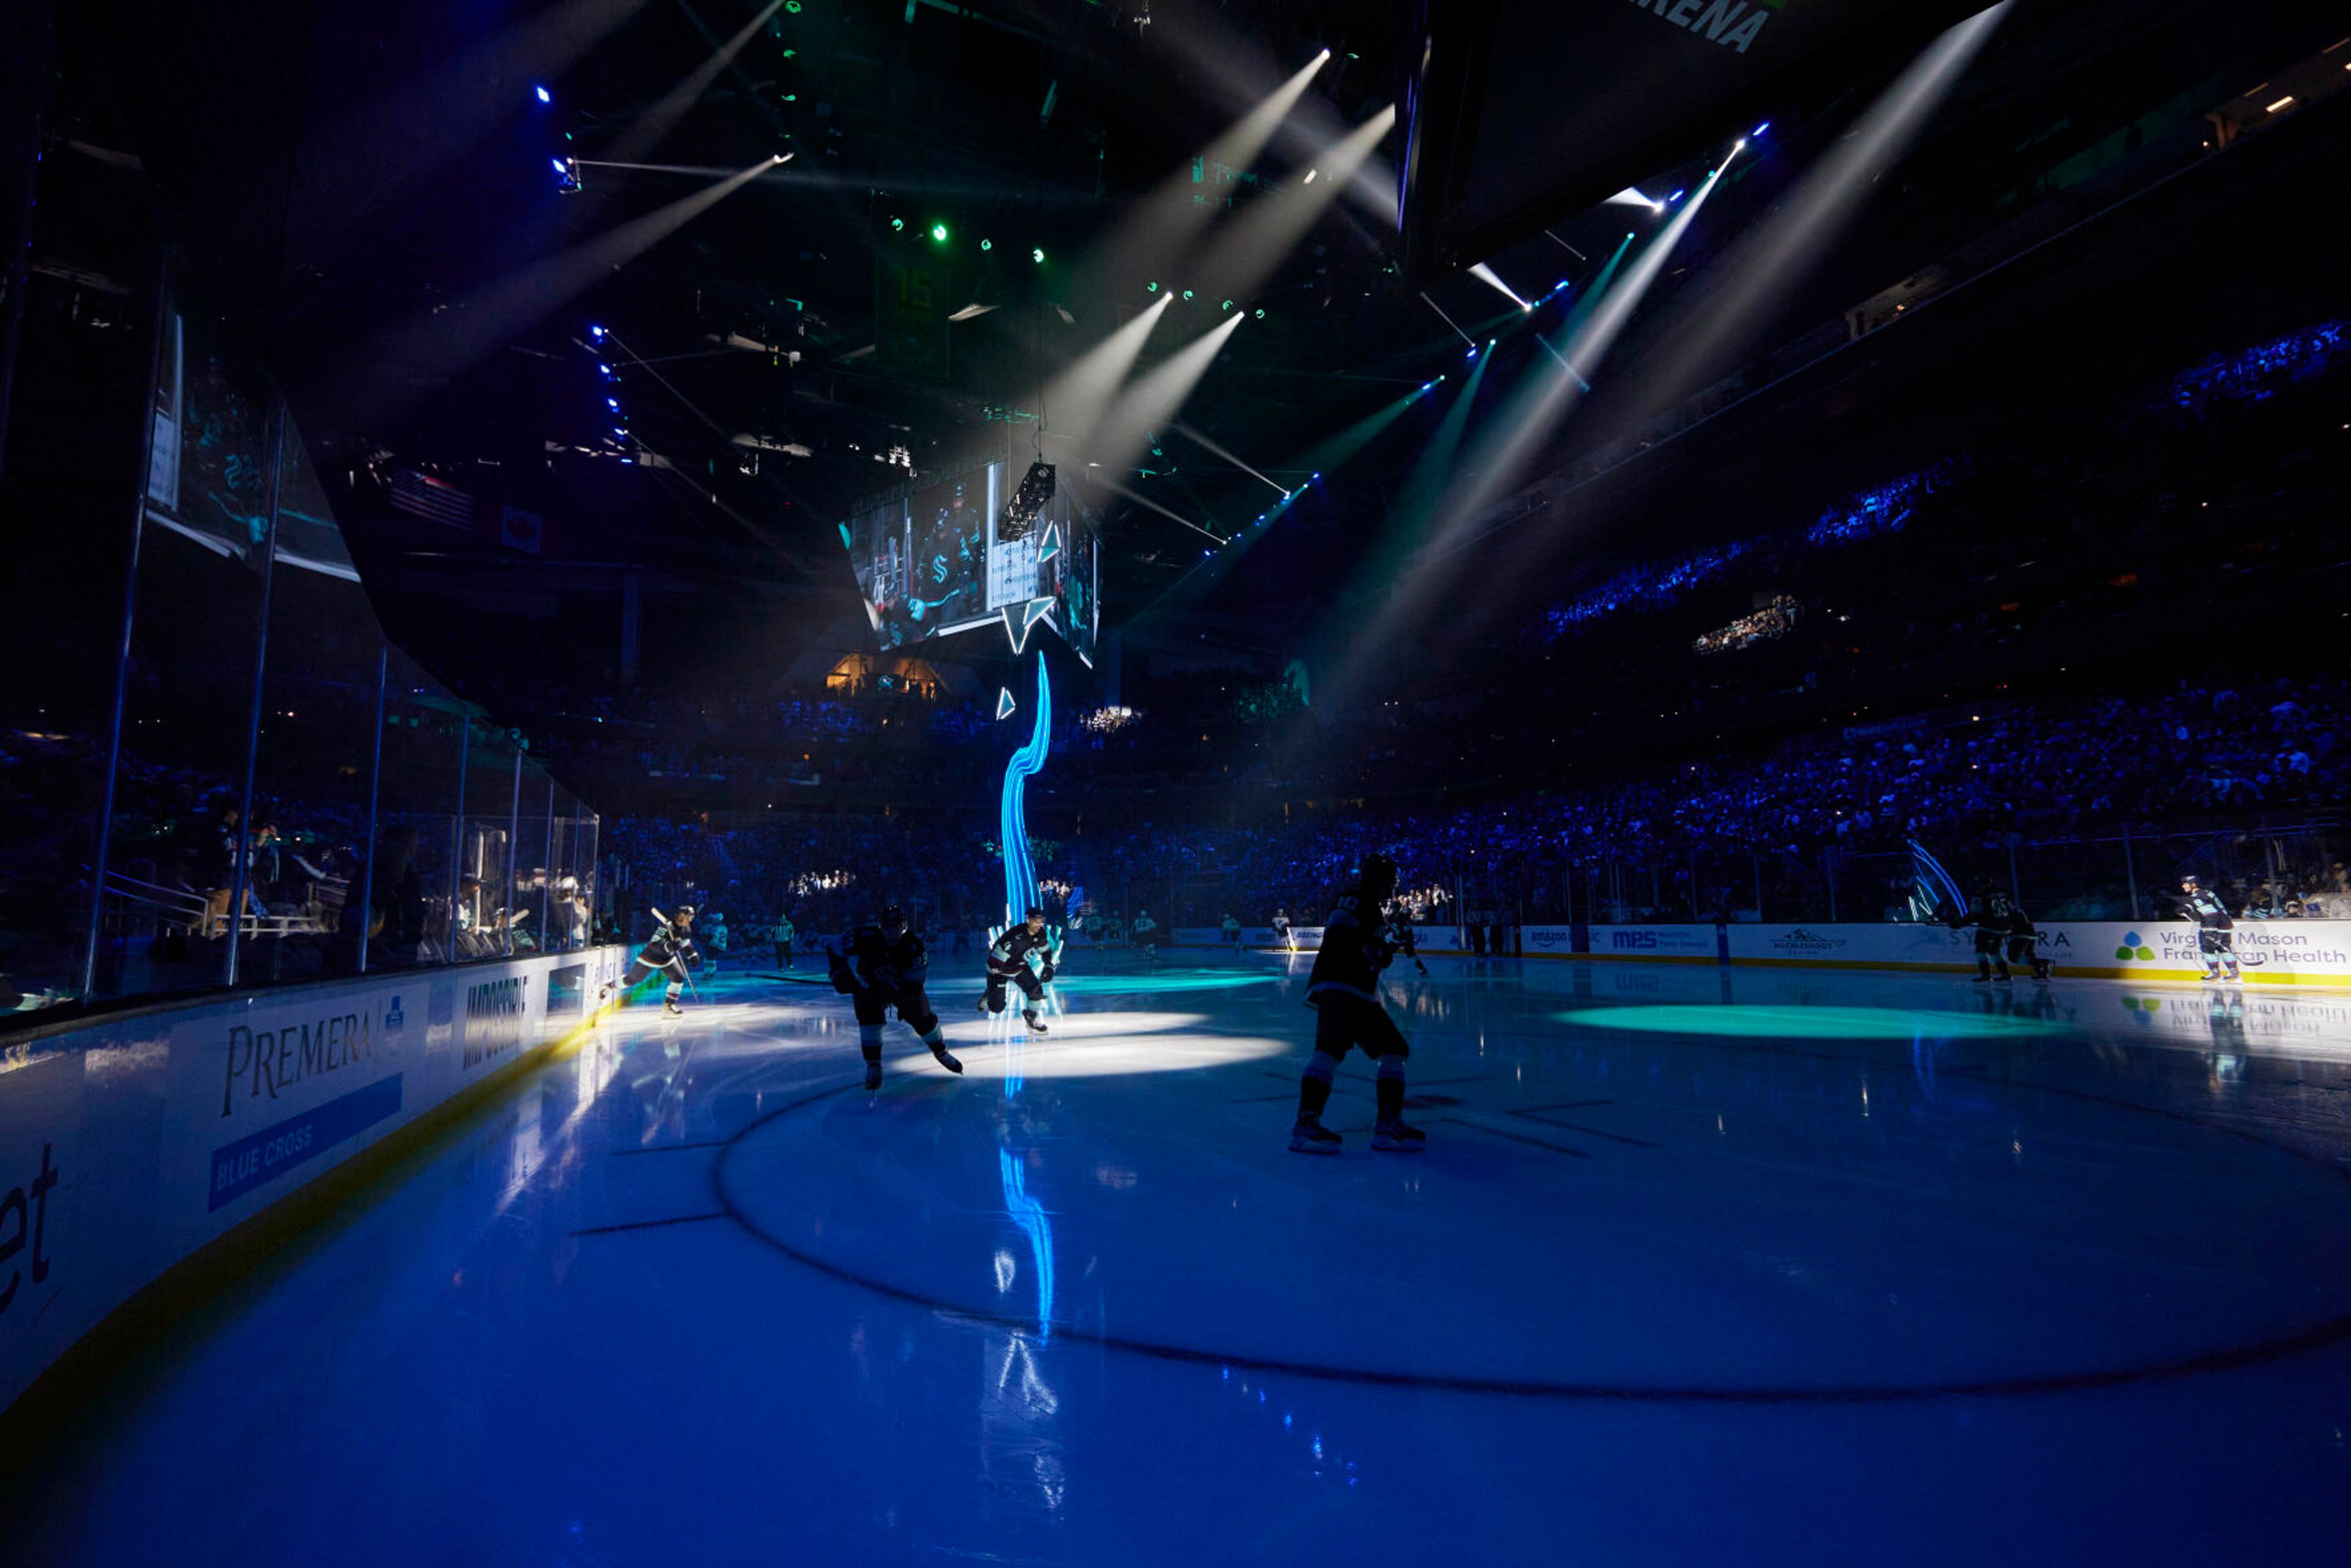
(1145, 932)
(2216, 933)
(1990, 921)
(1343, 988)
(2024, 941)
(1009, 964)
(1232, 929)
(668, 951)
(785, 932)
(1398, 935)
(1281, 930)
(881, 967)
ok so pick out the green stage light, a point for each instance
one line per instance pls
(1037, 255)
(1187, 294)
(1225, 305)
(1152, 286)
(1260, 312)
(939, 233)
(897, 223)
(986, 245)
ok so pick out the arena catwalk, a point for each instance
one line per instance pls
(1698, 1265)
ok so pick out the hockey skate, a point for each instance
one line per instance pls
(671, 1009)
(872, 1075)
(1396, 1138)
(945, 1058)
(1310, 1136)
(1036, 1024)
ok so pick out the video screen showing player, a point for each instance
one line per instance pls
(921, 561)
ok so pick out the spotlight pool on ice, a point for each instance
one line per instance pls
(1813, 1024)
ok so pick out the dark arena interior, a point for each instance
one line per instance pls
(1600, 747)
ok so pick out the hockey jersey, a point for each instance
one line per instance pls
(1009, 954)
(1351, 954)
(881, 961)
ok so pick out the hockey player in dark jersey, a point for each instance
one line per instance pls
(1009, 963)
(1398, 935)
(2216, 932)
(1990, 919)
(2024, 941)
(668, 951)
(1343, 988)
(881, 967)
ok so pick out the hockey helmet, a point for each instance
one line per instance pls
(893, 918)
(2187, 879)
(684, 912)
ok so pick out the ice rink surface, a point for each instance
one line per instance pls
(1700, 1266)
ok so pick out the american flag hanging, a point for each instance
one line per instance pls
(434, 499)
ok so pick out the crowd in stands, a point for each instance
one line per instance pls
(1701, 839)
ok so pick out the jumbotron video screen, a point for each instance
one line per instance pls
(934, 560)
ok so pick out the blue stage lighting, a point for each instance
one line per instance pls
(597, 333)
(1676, 196)
(559, 166)
(1472, 353)
(1760, 129)
(613, 403)
(1012, 817)
(544, 96)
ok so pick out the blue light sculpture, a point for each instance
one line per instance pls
(1012, 824)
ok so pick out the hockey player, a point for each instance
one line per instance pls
(1009, 963)
(1281, 930)
(785, 932)
(669, 952)
(1343, 988)
(2025, 941)
(1990, 923)
(1232, 929)
(1398, 935)
(1146, 935)
(885, 966)
(2216, 933)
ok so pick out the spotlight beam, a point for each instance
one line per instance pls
(1541, 401)
(1247, 250)
(1139, 499)
(445, 114)
(1089, 384)
(1169, 218)
(1152, 401)
(652, 127)
(438, 346)
(1803, 229)
(1487, 276)
(1195, 436)
(1448, 321)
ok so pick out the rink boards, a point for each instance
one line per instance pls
(130, 1145)
(2271, 952)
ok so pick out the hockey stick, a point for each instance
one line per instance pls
(793, 979)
